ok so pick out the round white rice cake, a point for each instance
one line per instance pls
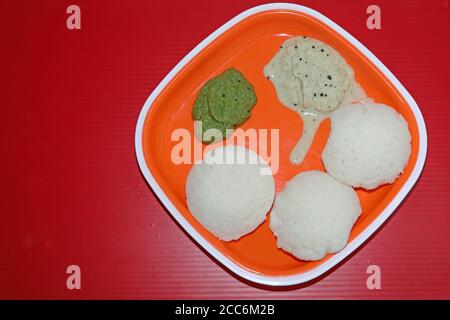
(314, 215)
(369, 145)
(230, 191)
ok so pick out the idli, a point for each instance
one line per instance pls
(313, 215)
(369, 145)
(230, 191)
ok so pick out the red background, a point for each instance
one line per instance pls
(70, 188)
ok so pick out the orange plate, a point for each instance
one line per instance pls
(248, 42)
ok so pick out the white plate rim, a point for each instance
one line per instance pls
(351, 246)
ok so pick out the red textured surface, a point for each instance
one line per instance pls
(71, 191)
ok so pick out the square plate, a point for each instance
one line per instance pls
(248, 42)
